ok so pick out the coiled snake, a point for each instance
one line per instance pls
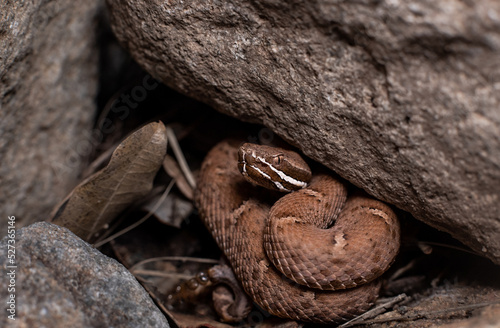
(315, 255)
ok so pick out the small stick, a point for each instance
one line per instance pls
(428, 315)
(154, 273)
(399, 272)
(180, 157)
(374, 312)
(174, 258)
(461, 249)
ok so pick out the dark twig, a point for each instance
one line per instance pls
(180, 157)
(426, 315)
(374, 312)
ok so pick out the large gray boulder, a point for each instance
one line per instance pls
(400, 98)
(48, 85)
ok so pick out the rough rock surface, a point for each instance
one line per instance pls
(61, 281)
(400, 98)
(48, 84)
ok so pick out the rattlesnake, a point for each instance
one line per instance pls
(288, 256)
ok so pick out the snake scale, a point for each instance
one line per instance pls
(315, 254)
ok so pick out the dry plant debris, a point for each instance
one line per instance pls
(89, 209)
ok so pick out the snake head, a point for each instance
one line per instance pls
(273, 168)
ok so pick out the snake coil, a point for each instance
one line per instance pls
(314, 254)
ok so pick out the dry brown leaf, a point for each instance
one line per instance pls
(128, 177)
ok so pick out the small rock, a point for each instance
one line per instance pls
(61, 281)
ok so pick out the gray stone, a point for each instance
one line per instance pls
(400, 98)
(61, 281)
(48, 85)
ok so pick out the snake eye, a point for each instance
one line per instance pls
(277, 160)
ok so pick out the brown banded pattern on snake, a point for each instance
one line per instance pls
(313, 256)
